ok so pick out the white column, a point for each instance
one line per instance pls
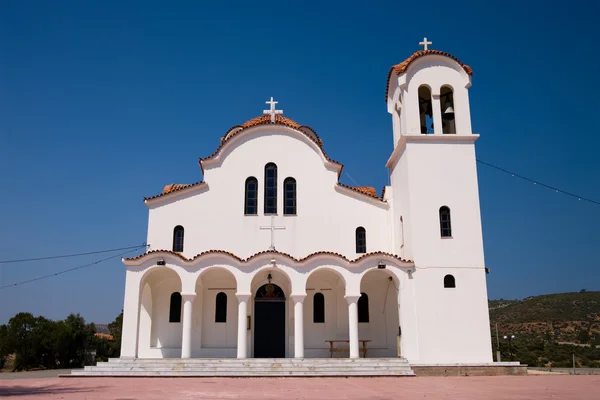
(242, 342)
(437, 114)
(186, 337)
(298, 325)
(131, 313)
(353, 325)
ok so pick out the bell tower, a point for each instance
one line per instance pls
(435, 204)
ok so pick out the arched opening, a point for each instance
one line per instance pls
(325, 312)
(319, 308)
(221, 307)
(251, 196)
(378, 312)
(445, 223)
(160, 327)
(270, 188)
(175, 308)
(271, 313)
(215, 314)
(178, 239)
(289, 196)
(269, 322)
(361, 240)
(447, 105)
(425, 109)
(363, 308)
(449, 281)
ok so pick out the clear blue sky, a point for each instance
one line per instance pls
(104, 102)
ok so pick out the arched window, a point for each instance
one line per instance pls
(445, 226)
(289, 196)
(363, 308)
(318, 308)
(251, 196)
(361, 240)
(401, 232)
(175, 307)
(221, 307)
(425, 109)
(447, 104)
(270, 188)
(178, 239)
(449, 281)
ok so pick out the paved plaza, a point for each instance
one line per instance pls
(559, 387)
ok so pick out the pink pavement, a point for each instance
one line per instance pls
(559, 387)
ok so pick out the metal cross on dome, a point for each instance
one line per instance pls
(424, 43)
(272, 111)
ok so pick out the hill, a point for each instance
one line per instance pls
(548, 329)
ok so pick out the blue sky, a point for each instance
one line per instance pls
(104, 102)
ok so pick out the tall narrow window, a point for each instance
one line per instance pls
(447, 104)
(289, 196)
(178, 239)
(445, 226)
(251, 196)
(425, 109)
(318, 308)
(449, 281)
(363, 308)
(401, 232)
(270, 188)
(361, 240)
(221, 307)
(175, 307)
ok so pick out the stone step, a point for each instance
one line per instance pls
(245, 365)
(241, 373)
(254, 360)
(307, 368)
(233, 367)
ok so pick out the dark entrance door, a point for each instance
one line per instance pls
(269, 322)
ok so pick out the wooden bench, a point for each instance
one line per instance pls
(333, 349)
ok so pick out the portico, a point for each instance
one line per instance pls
(266, 306)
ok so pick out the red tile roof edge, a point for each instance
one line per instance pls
(227, 253)
(172, 188)
(403, 66)
(364, 190)
(265, 120)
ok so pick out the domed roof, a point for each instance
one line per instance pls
(401, 68)
(266, 120)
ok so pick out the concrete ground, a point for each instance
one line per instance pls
(559, 387)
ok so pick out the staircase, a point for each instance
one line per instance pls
(250, 367)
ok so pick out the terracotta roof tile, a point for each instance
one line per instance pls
(174, 187)
(366, 190)
(266, 120)
(227, 253)
(403, 66)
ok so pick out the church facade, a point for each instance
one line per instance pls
(271, 256)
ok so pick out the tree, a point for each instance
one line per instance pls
(116, 329)
(583, 336)
(3, 345)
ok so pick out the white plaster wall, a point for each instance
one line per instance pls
(214, 219)
(453, 322)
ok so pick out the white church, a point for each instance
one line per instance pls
(270, 256)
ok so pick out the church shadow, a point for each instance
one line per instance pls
(17, 390)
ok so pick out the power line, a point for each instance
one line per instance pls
(71, 255)
(557, 190)
(70, 269)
